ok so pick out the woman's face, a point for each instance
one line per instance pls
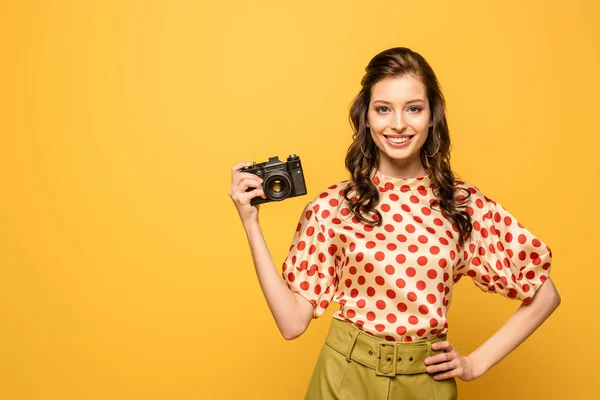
(399, 107)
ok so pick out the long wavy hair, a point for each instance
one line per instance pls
(363, 155)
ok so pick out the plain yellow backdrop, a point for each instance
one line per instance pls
(124, 269)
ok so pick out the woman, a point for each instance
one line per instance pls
(388, 245)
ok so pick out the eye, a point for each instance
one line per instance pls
(415, 108)
(378, 109)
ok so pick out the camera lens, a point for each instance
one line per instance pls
(277, 186)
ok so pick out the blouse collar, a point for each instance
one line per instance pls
(387, 182)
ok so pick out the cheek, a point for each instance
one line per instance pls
(378, 124)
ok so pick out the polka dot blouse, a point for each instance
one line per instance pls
(395, 281)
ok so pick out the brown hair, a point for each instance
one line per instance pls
(363, 156)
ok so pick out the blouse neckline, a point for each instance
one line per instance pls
(388, 182)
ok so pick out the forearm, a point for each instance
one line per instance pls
(519, 327)
(281, 300)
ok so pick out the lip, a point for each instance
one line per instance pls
(392, 144)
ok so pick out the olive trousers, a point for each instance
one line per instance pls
(354, 365)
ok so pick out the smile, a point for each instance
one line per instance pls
(398, 142)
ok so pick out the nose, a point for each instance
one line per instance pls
(398, 122)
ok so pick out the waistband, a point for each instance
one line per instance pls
(387, 358)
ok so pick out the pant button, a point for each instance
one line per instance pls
(389, 359)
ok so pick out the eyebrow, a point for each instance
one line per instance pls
(410, 101)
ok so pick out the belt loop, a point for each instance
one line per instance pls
(351, 346)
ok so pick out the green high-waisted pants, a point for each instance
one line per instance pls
(354, 365)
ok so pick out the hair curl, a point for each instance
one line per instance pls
(398, 62)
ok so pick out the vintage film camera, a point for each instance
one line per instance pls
(280, 179)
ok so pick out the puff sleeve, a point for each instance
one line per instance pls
(503, 256)
(309, 268)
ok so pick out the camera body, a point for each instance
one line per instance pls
(281, 180)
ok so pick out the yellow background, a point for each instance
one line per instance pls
(124, 269)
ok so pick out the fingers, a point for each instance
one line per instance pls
(244, 177)
(445, 345)
(448, 362)
(241, 181)
(237, 167)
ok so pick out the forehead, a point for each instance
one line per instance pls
(399, 89)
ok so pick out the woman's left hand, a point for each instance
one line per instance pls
(451, 363)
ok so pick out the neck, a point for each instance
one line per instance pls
(403, 171)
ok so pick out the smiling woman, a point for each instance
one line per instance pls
(389, 244)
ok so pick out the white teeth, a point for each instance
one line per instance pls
(398, 140)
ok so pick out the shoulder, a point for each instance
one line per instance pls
(327, 203)
(477, 202)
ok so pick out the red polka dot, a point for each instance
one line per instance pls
(380, 304)
(413, 319)
(391, 318)
(371, 316)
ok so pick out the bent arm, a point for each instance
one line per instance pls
(291, 311)
(519, 326)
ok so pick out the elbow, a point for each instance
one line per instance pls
(557, 300)
(553, 297)
(291, 334)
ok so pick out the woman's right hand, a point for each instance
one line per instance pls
(240, 181)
